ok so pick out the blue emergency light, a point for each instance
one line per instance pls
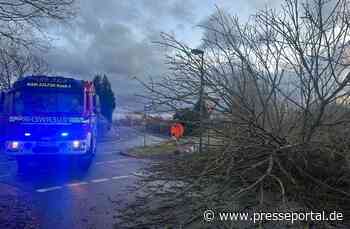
(64, 134)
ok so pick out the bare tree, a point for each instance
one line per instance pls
(20, 20)
(16, 62)
(280, 85)
(22, 36)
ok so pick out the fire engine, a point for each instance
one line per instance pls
(49, 117)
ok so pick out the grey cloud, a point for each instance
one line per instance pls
(113, 50)
(180, 10)
(258, 4)
(115, 38)
(213, 29)
(61, 61)
(277, 4)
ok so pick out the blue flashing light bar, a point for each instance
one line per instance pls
(64, 134)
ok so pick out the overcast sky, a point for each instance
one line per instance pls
(114, 37)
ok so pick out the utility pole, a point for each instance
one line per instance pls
(201, 90)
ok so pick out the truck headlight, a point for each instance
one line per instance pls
(78, 145)
(64, 134)
(13, 146)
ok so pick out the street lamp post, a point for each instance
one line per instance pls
(201, 90)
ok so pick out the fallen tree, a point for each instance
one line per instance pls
(280, 85)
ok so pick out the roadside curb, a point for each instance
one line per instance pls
(185, 149)
(127, 154)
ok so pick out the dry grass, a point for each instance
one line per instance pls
(164, 148)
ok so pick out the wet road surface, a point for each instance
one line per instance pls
(65, 197)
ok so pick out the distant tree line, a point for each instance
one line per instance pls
(189, 117)
(107, 99)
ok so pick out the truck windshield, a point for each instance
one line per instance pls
(47, 102)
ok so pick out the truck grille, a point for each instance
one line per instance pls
(41, 149)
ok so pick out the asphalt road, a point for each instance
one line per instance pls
(64, 197)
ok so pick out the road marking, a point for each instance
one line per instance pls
(42, 190)
(121, 160)
(113, 161)
(77, 184)
(101, 162)
(107, 152)
(49, 189)
(139, 174)
(100, 180)
(119, 177)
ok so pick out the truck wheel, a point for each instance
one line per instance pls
(86, 161)
(92, 150)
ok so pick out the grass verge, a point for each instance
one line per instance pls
(164, 148)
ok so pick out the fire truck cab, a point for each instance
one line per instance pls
(50, 117)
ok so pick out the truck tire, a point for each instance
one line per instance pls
(86, 161)
(93, 146)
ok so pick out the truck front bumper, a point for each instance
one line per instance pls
(30, 148)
